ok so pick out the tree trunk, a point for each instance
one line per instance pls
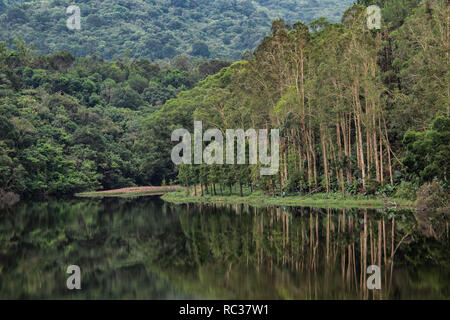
(325, 159)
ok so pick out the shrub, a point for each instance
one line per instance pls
(353, 187)
(406, 190)
(385, 190)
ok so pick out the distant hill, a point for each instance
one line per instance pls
(156, 29)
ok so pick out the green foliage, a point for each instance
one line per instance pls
(428, 152)
(157, 29)
(420, 66)
(69, 125)
(125, 98)
(406, 190)
(394, 12)
(176, 113)
(343, 98)
(337, 93)
(200, 49)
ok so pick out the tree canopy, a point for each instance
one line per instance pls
(155, 29)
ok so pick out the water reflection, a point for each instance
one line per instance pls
(148, 249)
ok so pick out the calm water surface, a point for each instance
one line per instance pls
(147, 249)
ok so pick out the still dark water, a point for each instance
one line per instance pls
(147, 249)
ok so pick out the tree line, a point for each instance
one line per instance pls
(360, 111)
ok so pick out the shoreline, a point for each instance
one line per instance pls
(318, 201)
(130, 192)
(177, 195)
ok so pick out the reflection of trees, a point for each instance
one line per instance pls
(105, 238)
(434, 225)
(150, 249)
(314, 253)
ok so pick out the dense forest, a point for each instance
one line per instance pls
(155, 29)
(359, 111)
(70, 124)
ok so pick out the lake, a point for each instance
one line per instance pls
(144, 248)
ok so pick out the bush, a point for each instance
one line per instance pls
(406, 190)
(353, 187)
(385, 190)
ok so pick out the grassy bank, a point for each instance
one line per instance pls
(130, 192)
(317, 200)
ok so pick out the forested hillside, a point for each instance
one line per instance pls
(155, 29)
(359, 111)
(70, 124)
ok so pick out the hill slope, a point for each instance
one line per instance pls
(156, 29)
